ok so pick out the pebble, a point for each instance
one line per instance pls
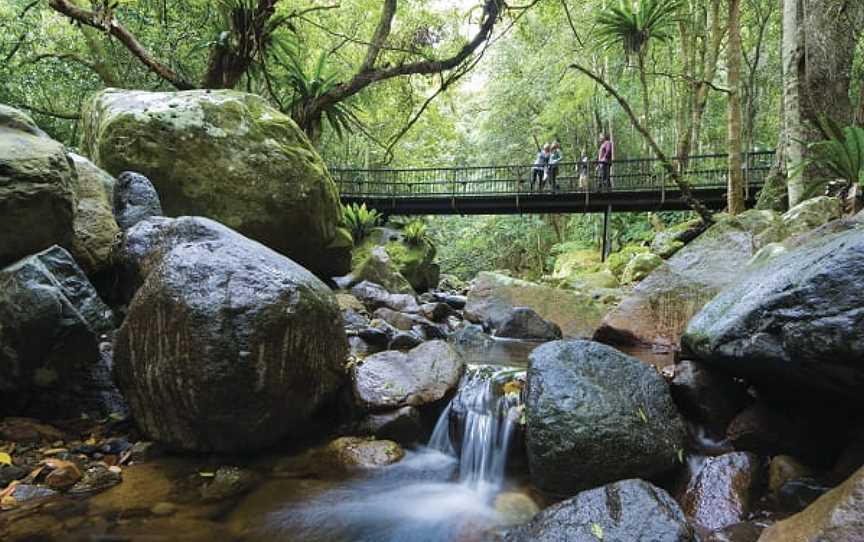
(163, 509)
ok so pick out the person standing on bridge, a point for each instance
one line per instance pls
(554, 160)
(539, 169)
(604, 162)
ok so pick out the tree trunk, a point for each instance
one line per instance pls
(735, 194)
(819, 42)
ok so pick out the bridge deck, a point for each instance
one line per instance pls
(637, 185)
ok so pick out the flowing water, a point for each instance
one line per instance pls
(440, 492)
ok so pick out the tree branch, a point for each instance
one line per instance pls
(106, 22)
(570, 22)
(382, 32)
(683, 186)
(57, 114)
(362, 79)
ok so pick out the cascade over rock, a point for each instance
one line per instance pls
(228, 156)
(659, 307)
(629, 510)
(50, 322)
(595, 415)
(37, 197)
(493, 296)
(796, 319)
(227, 346)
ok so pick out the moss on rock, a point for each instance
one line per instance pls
(226, 155)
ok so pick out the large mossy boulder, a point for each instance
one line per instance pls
(378, 268)
(493, 296)
(414, 260)
(96, 230)
(796, 320)
(640, 266)
(37, 197)
(51, 319)
(659, 308)
(595, 415)
(626, 511)
(228, 346)
(836, 516)
(228, 156)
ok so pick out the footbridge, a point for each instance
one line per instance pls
(636, 185)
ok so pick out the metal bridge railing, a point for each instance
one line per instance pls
(644, 174)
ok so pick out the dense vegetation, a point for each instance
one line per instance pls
(432, 83)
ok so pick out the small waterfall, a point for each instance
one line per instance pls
(478, 425)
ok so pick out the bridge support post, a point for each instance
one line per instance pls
(606, 248)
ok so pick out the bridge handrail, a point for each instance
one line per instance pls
(697, 157)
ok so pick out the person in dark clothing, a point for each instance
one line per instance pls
(604, 162)
(538, 171)
(554, 159)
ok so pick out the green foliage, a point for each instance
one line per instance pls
(842, 153)
(359, 220)
(617, 261)
(635, 23)
(416, 233)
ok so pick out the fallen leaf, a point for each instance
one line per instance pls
(5, 459)
(597, 531)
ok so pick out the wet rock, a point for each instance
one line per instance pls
(457, 302)
(62, 475)
(51, 319)
(10, 473)
(784, 468)
(765, 430)
(25, 493)
(359, 348)
(378, 268)
(837, 516)
(525, 323)
(374, 296)
(493, 295)
(792, 324)
(796, 495)
(97, 477)
(135, 199)
(37, 200)
(437, 312)
(96, 231)
(405, 340)
(393, 379)
(279, 361)
(706, 395)
(630, 510)
(415, 261)
(430, 331)
(28, 430)
(640, 266)
(358, 453)
(812, 213)
(399, 320)
(746, 531)
(658, 308)
(667, 242)
(228, 156)
(515, 508)
(723, 491)
(402, 425)
(376, 336)
(610, 410)
(229, 482)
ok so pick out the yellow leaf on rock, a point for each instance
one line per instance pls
(597, 531)
(5, 459)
